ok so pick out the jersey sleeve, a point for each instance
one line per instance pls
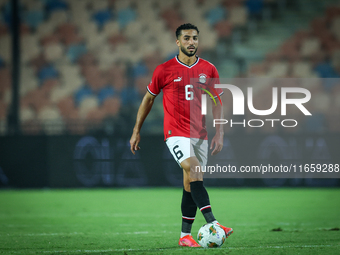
(216, 77)
(156, 84)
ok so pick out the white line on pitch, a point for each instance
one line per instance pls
(80, 233)
(51, 215)
(164, 249)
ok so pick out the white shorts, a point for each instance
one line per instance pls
(182, 148)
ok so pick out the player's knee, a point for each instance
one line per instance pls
(190, 163)
(196, 177)
(192, 168)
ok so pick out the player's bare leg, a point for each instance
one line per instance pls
(193, 182)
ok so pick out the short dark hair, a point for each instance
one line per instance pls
(185, 26)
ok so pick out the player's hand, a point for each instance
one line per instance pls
(217, 144)
(134, 141)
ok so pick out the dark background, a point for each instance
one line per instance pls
(106, 161)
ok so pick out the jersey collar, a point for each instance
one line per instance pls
(197, 59)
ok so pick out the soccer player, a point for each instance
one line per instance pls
(185, 134)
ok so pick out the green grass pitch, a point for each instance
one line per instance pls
(148, 221)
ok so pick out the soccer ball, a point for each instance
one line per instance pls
(211, 235)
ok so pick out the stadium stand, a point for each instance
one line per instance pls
(86, 61)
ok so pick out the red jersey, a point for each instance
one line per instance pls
(182, 95)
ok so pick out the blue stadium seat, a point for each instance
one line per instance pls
(33, 18)
(140, 70)
(81, 94)
(47, 72)
(325, 70)
(75, 51)
(105, 93)
(129, 96)
(125, 16)
(55, 5)
(255, 7)
(215, 15)
(102, 17)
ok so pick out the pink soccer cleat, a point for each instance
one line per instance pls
(188, 241)
(228, 231)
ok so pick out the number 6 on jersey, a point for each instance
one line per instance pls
(189, 95)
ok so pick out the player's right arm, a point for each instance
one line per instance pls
(143, 112)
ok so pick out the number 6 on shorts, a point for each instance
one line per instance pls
(178, 153)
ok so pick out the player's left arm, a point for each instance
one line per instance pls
(217, 141)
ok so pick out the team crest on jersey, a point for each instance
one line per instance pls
(202, 78)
